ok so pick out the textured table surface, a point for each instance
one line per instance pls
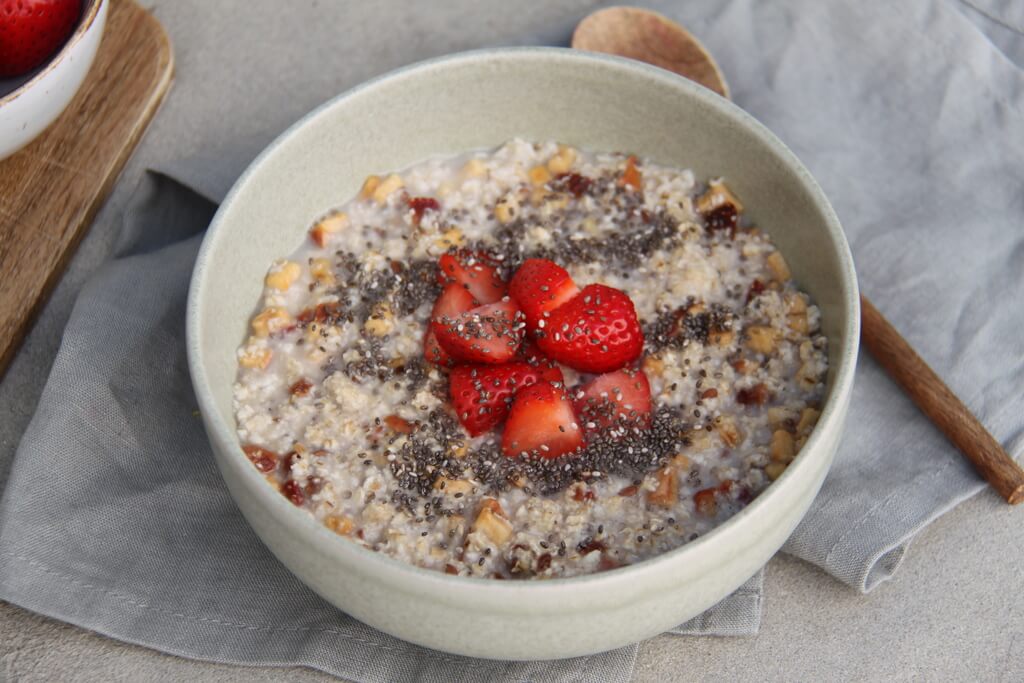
(954, 611)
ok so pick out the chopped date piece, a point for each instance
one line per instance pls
(543, 562)
(724, 217)
(300, 388)
(265, 460)
(756, 289)
(293, 492)
(575, 183)
(420, 205)
(705, 502)
(630, 490)
(330, 312)
(754, 396)
(398, 424)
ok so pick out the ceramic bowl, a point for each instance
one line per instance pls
(480, 100)
(31, 103)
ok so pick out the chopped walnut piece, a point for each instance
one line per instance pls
(728, 431)
(717, 195)
(778, 267)
(339, 524)
(774, 470)
(562, 160)
(282, 276)
(719, 337)
(782, 446)
(255, 357)
(539, 175)
(386, 188)
(761, 338)
(270, 320)
(808, 418)
(329, 225)
(492, 523)
(667, 491)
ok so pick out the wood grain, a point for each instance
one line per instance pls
(51, 190)
(649, 37)
(940, 404)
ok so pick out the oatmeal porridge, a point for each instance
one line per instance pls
(530, 362)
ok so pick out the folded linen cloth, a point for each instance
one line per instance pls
(114, 517)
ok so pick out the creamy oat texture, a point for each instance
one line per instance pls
(336, 406)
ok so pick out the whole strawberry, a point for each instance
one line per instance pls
(33, 30)
(595, 331)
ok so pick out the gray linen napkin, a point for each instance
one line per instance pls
(115, 519)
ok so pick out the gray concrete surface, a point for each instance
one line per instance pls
(953, 612)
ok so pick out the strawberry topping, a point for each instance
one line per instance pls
(485, 334)
(477, 272)
(481, 394)
(540, 286)
(541, 422)
(595, 331)
(453, 301)
(615, 398)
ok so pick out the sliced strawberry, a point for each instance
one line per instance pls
(486, 334)
(481, 394)
(595, 331)
(453, 301)
(623, 396)
(477, 272)
(541, 422)
(540, 286)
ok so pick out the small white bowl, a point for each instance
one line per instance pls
(477, 100)
(27, 107)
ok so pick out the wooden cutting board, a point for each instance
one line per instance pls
(51, 190)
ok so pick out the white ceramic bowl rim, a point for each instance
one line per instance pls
(842, 376)
(84, 24)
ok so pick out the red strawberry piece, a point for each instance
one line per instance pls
(481, 394)
(542, 423)
(595, 331)
(420, 205)
(623, 396)
(540, 286)
(477, 272)
(32, 30)
(453, 301)
(486, 334)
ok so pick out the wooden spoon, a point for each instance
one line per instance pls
(649, 37)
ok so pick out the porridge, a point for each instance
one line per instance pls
(530, 362)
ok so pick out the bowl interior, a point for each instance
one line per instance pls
(9, 85)
(480, 100)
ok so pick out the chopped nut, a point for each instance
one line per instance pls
(320, 269)
(782, 446)
(807, 375)
(795, 303)
(761, 338)
(754, 396)
(370, 186)
(506, 209)
(270, 320)
(728, 431)
(653, 365)
(328, 226)
(474, 168)
(798, 323)
(808, 418)
(699, 439)
(449, 238)
(667, 492)
(718, 194)
(562, 160)
(255, 357)
(631, 175)
(493, 525)
(386, 187)
(283, 275)
(339, 524)
(774, 470)
(460, 451)
(719, 337)
(380, 322)
(539, 175)
(778, 267)
(450, 487)
(778, 415)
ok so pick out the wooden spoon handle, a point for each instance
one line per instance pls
(940, 404)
